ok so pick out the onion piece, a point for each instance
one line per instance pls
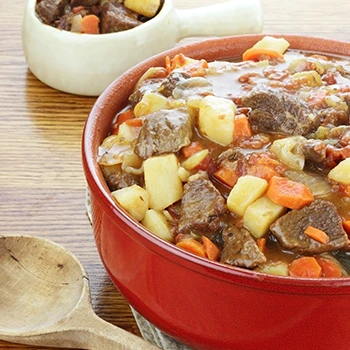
(76, 24)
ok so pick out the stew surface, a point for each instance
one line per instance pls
(246, 163)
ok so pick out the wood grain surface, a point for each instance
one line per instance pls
(42, 185)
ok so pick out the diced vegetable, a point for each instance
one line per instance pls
(134, 200)
(157, 223)
(316, 234)
(76, 24)
(260, 215)
(246, 191)
(341, 173)
(261, 243)
(193, 246)
(147, 8)
(346, 225)
(193, 161)
(306, 266)
(211, 250)
(162, 182)
(191, 149)
(274, 268)
(151, 102)
(288, 151)
(315, 182)
(89, 24)
(267, 46)
(288, 193)
(242, 126)
(329, 268)
(183, 174)
(227, 176)
(216, 119)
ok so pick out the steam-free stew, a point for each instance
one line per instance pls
(245, 163)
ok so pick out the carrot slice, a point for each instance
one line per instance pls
(346, 225)
(329, 268)
(192, 246)
(122, 117)
(242, 126)
(227, 176)
(211, 249)
(134, 122)
(261, 243)
(305, 267)
(288, 193)
(255, 53)
(191, 149)
(89, 24)
(316, 234)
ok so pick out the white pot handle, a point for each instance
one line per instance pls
(228, 18)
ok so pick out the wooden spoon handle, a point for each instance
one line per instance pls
(96, 333)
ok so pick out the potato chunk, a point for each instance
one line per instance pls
(150, 103)
(341, 173)
(247, 189)
(216, 119)
(271, 43)
(289, 152)
(147, 8)
(162, 182)
(134, 200)
(260, 215)
(157, 223)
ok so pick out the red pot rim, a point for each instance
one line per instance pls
(232, 275)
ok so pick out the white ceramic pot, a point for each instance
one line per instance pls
(86, 64)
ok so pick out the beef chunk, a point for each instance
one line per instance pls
(165, 131)
(50, 10)
(119, 179)
(314, 150)
(169, 84)
(289, 229)
(85, 3)
(116, 18)
(202, 206)
(275, 111)
(240, 248)
(333, 116)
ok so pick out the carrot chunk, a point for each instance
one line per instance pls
(134, 122)
(242, 126)
(305, 267)
(192, 246)
(329, 268)
(346, 225)
(89, 24)
(261, 243)
(316, 234)
(191, 149)
(211, 249)
(255, 53)
(288, 193)
(227, 176)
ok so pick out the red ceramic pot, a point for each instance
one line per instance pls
(204, 304)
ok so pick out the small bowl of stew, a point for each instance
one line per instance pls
(220, 191)
(81, 46)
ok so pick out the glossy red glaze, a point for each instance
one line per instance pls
(201, 303)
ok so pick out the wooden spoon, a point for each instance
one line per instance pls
(45, 299)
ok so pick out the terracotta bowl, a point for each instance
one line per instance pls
(204, 304)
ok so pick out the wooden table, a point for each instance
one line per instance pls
(42, 186)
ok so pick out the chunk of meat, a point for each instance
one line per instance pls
(169, 84)
(116, 18)
(50, 10)
(119, 179)
(165, 131)
(240, 248)
(333, 116)
(289, 229)
(202, 206)
(275, 111)
(85, 3)
(314, 150)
